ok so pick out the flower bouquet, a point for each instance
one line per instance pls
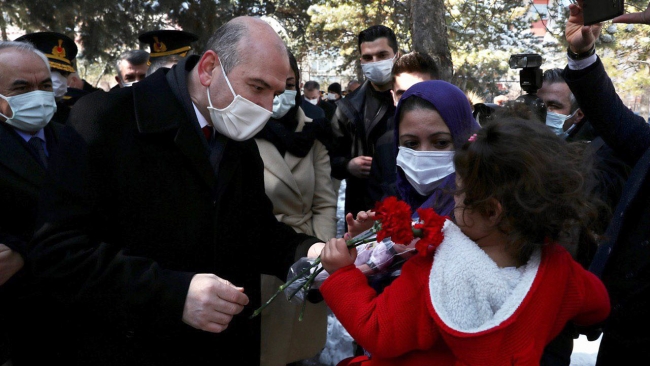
(392, 220)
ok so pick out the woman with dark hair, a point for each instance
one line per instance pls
(297, 181)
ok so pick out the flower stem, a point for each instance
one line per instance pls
(284, 286)
(363, 238)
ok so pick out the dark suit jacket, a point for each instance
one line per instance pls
(312, 111)
(327, 107)
(21, 178)
(134, 207)
(623, 259)
(22, 316)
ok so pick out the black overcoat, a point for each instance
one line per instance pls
(134, 209)
(22, 319)
(623, 259)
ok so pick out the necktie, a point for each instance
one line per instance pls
(36, 144)
(207, 131)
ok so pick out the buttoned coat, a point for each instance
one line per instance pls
(21, 314)
(623, 256)
(303, 197)
(135, 206)
(300, 188)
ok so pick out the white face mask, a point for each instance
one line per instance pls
(556, 121)
(59, 84)
(425, 169)
(126, 85)
(312, 101)
(241, 119)
(331, 96)
(31, 111)
(283, 102)
(378, 72)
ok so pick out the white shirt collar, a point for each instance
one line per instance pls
(202, 121)
(27, 136)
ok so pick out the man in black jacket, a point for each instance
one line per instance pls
(623, 258)
(565, 117)
(156, 226)
(362, 118)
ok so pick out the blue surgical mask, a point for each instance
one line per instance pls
(59, 85)
(30, 111)
(556, 121)
(283, 103)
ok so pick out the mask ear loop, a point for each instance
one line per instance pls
(12, 110)
(572, 114)
(227, 81)
(226, 77)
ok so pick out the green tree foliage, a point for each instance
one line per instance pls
(482, 36)
(106, 28)
(335, 25)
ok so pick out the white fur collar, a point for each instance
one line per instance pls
(469, 292)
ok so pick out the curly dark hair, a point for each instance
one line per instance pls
(538, 178)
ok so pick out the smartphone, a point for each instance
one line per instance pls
(596, 11)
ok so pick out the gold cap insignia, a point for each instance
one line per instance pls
(59, 51)
(158, 46)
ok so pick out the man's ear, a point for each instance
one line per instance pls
(117, 78)
(205, 67)
(579, 116)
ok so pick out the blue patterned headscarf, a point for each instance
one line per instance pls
(454, 108)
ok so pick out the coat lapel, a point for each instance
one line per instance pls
(15, 157)
(158, 110)
(291, 160)
(275, 164)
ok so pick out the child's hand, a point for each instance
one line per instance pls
(363, 222)
(337, 255)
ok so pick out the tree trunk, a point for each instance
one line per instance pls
(429, 31)
(3, 26)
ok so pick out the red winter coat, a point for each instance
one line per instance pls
(455, 308)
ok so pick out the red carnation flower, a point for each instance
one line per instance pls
(395, 218)
(429, 230)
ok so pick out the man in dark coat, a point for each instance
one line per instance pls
(156, 226)
(361, 119)
(26, 141)
(312, 96)
(623, 258)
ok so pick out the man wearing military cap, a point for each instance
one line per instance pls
(167, 47)
(60, 51)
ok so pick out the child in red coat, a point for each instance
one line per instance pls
(498, 288)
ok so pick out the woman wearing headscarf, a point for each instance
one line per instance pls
(297, 181)
(432, 119)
